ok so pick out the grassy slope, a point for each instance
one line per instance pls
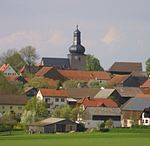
(140, 137)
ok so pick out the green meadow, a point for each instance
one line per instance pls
(116, 137)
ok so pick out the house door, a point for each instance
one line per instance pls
(60, 128)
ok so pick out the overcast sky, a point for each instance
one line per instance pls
(112, 30)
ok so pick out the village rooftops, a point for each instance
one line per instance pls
(94, 102)
(53, 93)
(47, 121)
(136, 104)
(85, 75)
(125, 67)
(107, 111)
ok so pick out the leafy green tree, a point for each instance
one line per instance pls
(34, 82)
(10, 87)
(29, 55)
(96, 84)
(93, 64)
(109, 123)
(28, 117)
(13, 58)
(38, 106)
(66, 112)
(71, 84)
(148, 64)
(8, 120)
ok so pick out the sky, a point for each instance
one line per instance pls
(112, 30)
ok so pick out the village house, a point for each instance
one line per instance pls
(123, 68)
(126, 93)
(98, 110)
(146, 117)
(135, 79)
(53, 98)
(92, 117)
(12, 103)
(132, 111)
(52, 125)
(79, 93)
(7, 70)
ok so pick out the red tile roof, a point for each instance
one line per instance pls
(54, 92)
(50, 82)
(94, 102)
(43, 71)
(4, 67)
(118, 79)
(85, 75)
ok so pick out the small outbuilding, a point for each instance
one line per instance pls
(52, 125)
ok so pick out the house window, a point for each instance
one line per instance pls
(19, 108)
(3, 107)
(11, 107)
(56, 99)
(46, 100)
(62, 100)
(146, 121)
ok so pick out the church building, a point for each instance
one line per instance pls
(76, 57)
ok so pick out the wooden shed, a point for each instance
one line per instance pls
(52, 125)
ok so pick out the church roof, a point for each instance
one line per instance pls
(56, 62)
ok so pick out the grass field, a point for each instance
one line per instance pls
(125, 137)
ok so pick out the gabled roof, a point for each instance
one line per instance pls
(107, 111)
(4, 67)
(136, 104)
(85, 75)
(128, 91)
(56, 62)
(127, 67)
(104, 93)
(13, 100)
(118, 79)
(82, 92)
(43, 71)
(47, 121)
(94, 102)
(53, 93)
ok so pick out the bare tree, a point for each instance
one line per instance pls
(29, 55)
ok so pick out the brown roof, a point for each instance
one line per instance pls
(13, 100)
(128, 91)
(143, 95)
(118, 79)
(53, 93)
(82, 92)
(85, 75)
(126, 67)
(43, 71)
(146, 84)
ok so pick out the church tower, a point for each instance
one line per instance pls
(77, 58)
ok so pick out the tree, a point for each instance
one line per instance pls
(66, 112)
(38, 106)
(13, 58)
(9, 87)
(96, 84)
(148, 64)
(29, 55)
(8, 121)
(71, 84)
(92, 63)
